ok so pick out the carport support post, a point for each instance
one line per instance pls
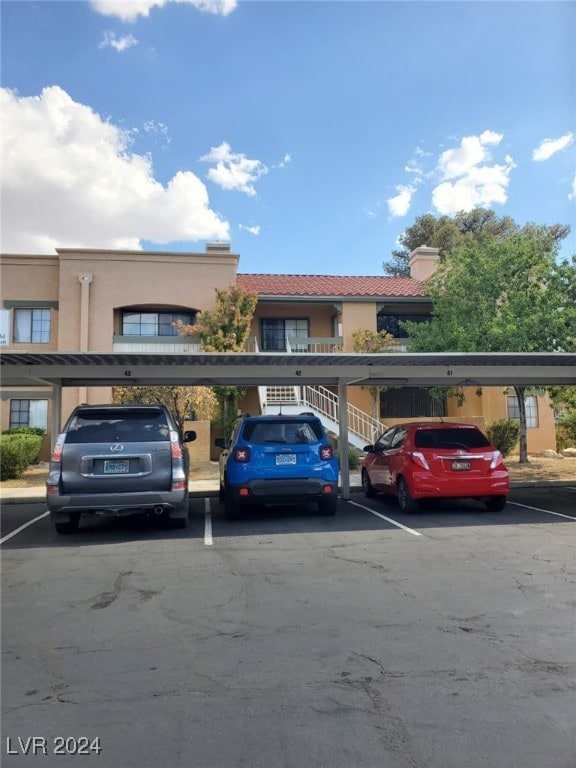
(343, 441)
(56, 421)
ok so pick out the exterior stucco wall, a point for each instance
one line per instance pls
(143, 279)
(357, 316)
(34, 279)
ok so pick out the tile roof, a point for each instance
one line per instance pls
(329, 285)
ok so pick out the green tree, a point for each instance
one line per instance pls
(225, 329)
(179, 400)
(501, 295)
(372, 341)
(450, 232)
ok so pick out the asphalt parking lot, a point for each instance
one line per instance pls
(444, 639)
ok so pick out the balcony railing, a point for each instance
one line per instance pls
(179, 344)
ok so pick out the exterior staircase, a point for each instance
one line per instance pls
(362, 427)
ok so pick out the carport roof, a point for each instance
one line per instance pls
(32, 369)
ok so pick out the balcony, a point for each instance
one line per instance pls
(161, 345)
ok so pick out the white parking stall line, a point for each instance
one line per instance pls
(539, 509)
(208, 523)
(22, 527)
(388, 519)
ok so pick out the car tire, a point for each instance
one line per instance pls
(328, 507)
(71, 526)
(408, 505)
(495, 503)
(369, 491)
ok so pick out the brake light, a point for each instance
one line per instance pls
(57, 452)
(419, 459)
(242, 455)
(326, 452)
(496, 460)
(175, 446)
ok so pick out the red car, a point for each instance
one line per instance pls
(426, 460)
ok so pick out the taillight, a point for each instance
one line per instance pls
(496, 460)
(242, 455)
(326, 452)
(57, 452)
(419, 459)
(175, 447)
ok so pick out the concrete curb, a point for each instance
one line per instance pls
(200, 488)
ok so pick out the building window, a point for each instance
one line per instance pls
(391, 323)
(32, 326)
(29, 413)
(531, 410)
(282, 335)
(137, 323)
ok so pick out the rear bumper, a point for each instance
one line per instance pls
(424, 485)
(282, 492)
(175, 503)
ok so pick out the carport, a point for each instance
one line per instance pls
(461, 369)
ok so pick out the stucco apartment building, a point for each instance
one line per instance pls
(88, 300)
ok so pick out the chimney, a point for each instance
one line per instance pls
(422, 262)
(218, 247)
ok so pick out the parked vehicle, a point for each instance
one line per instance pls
(416, 461)
(278, 460)
(119, 460)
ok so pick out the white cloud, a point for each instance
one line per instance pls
(129, 10)
(120, 44)
(467, 179)
(572, 193)
(286, 160)
(471, 152)
(255, 230)
(549, 147)
(233, 171)
(69, 180)
(400, 204)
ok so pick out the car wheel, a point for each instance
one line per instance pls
(71, 526)
(328, 507)
(369, 492)
(495, 503)
(406, 502)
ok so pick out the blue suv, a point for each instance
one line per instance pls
(278, 460)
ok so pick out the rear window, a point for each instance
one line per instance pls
(119, 427)
(289, 432)
(458, 437)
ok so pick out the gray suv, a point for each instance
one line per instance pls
(118, 460)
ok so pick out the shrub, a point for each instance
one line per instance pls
(566, 431)
(17, 451)
(503, 434)
(24, 431)
(354, 457)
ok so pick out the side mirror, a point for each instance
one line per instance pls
(369, 449)
(220, 442)
(189, 436)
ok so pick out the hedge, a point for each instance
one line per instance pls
(503, 434)
(17, 452)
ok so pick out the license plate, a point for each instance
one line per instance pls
(286, 458)
(461, 465)
(116, 467)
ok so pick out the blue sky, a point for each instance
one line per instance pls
(308, 134)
